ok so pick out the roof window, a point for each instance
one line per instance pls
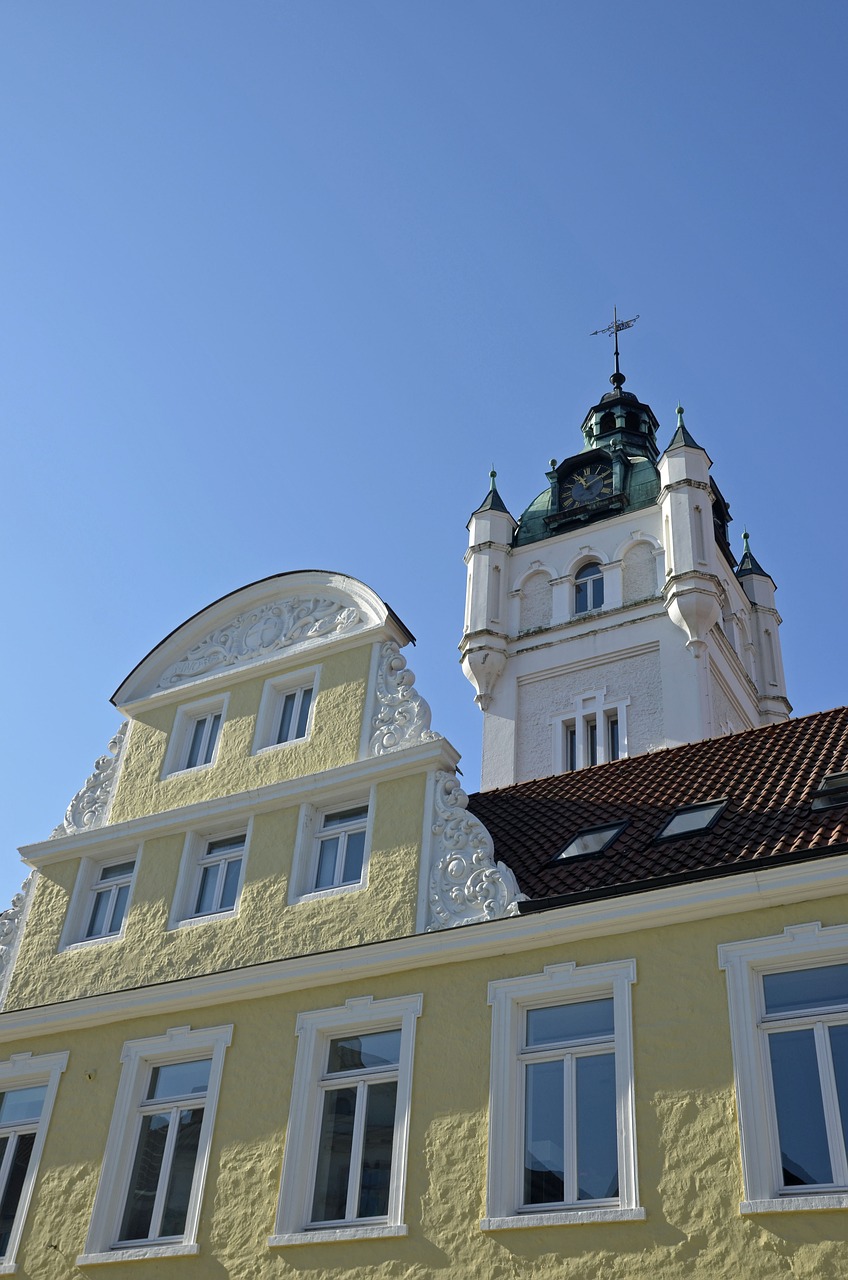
(833, 790)
(692, 818)
(594, 840)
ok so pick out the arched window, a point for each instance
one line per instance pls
(588, 588)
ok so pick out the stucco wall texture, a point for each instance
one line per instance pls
(688, 1144)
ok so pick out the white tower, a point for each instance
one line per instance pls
(612, 618)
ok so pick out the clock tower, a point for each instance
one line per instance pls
(612, 618)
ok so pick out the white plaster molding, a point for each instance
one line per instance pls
(466, 884)
(402, 718)
(261, 633)
(90, 806)
(12, 923)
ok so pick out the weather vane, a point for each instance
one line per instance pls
(617, 379)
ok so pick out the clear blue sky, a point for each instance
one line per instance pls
(282, 278)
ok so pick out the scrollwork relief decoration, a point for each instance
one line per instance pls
(256, 635)
(11, 928)
(402, 718)
(466, 885)
(90, 806)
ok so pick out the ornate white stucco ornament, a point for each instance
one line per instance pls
(402, 718)
(11, 928)
(90, 806)
(466, 884)
(256, 635)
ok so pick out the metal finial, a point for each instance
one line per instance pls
(617, 379)
(493, 476)
(680, 421)
(745, 541)
(553, 464)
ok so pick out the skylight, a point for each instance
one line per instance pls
(594, 840)
(691, 818)
(832, 791)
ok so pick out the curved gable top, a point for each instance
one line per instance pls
(286, 613)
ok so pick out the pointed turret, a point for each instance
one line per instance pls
(759, 587)
(483, 644)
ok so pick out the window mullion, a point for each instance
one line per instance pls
(830, 1099)
(164, 1174)
(8, 1157)
(355, 1174)
(569, 1145)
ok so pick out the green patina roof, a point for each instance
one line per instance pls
(643, 485)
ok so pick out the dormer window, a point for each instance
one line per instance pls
(588, 588)
(833, 791)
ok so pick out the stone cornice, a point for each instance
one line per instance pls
(701, 900)
(435, 754)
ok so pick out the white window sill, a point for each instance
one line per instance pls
(139, 1254)
(182, 773)
(313, 895)
(280, 746)
(102, 939)
(338, 1234)
(562, 1218)
(191, 922)
(793, 1204)
(8, 1268)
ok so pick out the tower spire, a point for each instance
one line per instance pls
(617, 379)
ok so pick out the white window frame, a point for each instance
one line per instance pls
(179, 743)
(179, 1044)
(591, 707)
(196, 844)
(589, 580)
(271, 707)
(510, 999)
(305, 864)
(25, 1071)
(82, 899)
(798, 947)
(314, 1031)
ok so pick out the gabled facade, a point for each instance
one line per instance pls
(612, 618)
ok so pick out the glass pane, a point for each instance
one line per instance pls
(182, 1173)
(839, 1052)
(19, 1105)
(12, 1194)
(692, 819)
(207, 892)
(806, 989)
(571, 747)
(179, 1079)
(284, 731)
(144, 1180)
(612, 728)
(544, 1128)
(581, 597)
(327, 851)
(597, 1142)
(800, 1112)
(100, 910)
(231, 879)
(592, 741)
(377, 1150)
(329, 1203)
(212, 739)
(597, 592)
(219, 847)
(561, 1022)
(303, 714)
(119, 907)
(354, 853)
(345, 815)
(358, 1053)
(196, 743)
(116, 870)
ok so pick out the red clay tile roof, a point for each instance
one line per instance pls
(769, 776)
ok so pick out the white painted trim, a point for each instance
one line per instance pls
(23, 1070)
(369, 710)
(438, 753)
(179, 739)
(422, 914)
(191, 869)
(565, 669)
(76, 917)
(338, 1234)
(271, 705)
(510, 998)
(570, 1218)
(137, 1057)
(678, 904)
(139, 1255)
(305, 861)
(314, 1029)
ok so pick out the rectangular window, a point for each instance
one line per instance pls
(294, 715)
(28, 1088)
(148, 1199)
(562, 1142)
(286, 709)
(570, 747)
(194, 741)
(789, 1017)
(612, 737)
(203, 738)
(591, 740)
(340, 847)
(220, 876)
(110, 898)
(346, 1148)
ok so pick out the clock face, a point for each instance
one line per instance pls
(585, 485)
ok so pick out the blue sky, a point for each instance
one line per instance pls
(281, 280)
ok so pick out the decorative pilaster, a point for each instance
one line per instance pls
(466, 884)
(402, 718)
(89, 808)
(12, 922)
